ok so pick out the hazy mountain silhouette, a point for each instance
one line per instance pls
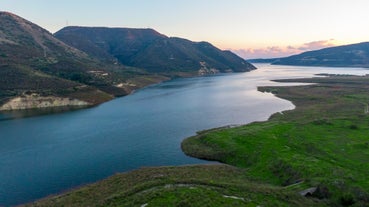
(354, 55)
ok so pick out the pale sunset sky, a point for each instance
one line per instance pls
(251, 28)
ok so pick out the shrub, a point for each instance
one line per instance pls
(347, 199)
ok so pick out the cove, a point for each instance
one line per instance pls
(47, 154)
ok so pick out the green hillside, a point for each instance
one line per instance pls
(148, 49)
(39, 70)
(33, 61)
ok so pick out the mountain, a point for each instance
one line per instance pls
(148, 49)
(38, 70)
(88, 66)
(29, 58)
(354, 55)
(106, 43)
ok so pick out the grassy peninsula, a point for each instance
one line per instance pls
(323, 143)
(320, 149)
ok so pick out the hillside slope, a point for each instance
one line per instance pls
(38, 70)
(354, 55)
(148, 49)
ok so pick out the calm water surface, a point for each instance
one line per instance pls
(47, 154)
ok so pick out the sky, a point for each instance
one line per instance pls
(250, 28)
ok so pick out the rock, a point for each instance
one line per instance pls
(34, 101)
(308, 192)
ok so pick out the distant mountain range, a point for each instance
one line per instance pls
(87, 66)
(354, 55)
(146, 48)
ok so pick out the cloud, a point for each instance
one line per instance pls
(275, 49)
(268, 52)
(315, 45)
(278, 51)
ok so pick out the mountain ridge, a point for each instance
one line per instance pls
(152, 50)
(33, 61)
(352, 55)
(38, 69)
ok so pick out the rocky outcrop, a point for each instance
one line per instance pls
(205, 70)
(35, 101)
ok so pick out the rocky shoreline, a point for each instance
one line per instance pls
(36, 101)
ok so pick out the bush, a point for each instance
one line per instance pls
(285, 172)
(347, 199)
(321, 192)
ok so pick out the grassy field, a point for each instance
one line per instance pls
(322, 144)
(206, 185)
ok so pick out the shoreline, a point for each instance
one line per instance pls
(213, 165)
(275, 176)
(35, 111)
(302, 174)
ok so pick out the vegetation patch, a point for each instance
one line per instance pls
(322, 143)
(198, 185)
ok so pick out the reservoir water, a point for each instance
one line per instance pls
(48, 154)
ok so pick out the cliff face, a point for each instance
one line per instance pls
(35, 101)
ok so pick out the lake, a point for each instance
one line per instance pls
(48, 154)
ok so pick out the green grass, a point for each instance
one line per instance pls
(207, 185)
(323, 143)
